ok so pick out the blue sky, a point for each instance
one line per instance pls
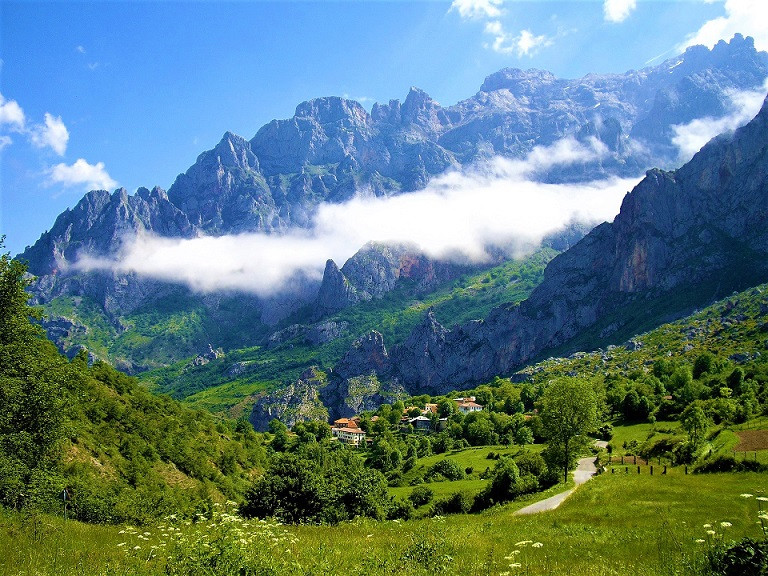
(108, 94)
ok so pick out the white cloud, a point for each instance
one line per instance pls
(5, 141)
(458, 216)
(53, 134)
(477, 9)
(523, 44)
(618, 10)
(11, 115)
(746, 17)
(81, 173)
(690, 137)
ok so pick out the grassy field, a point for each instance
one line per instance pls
(614, 524)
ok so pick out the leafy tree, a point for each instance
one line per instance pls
(695, 422)
(703, 364)
(33, 381)
(568, 413)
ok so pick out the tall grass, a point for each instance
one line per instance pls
(614, 524)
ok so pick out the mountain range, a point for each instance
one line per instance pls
(696, 230)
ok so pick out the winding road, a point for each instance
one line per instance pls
(585, 470)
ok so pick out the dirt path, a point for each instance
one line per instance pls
(583, 472)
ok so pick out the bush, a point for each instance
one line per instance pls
(730, 464)
(531, 463)
(401, 510)
(458, 503)
(448, 469)
(421, 495)
(684, 453)
(745, 558)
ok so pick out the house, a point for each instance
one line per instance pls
(430, 409)
(345, 423)
(348, 435)
(467, 406)
(421, 422)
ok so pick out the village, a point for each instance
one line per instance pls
(413, 420)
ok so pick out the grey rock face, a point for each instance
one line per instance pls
(367, 354)
(703, 224)
(349, 396)
(297, 402)
(336, 292)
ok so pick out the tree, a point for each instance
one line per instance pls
(694, 422)
(568, 413)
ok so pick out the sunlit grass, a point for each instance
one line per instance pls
(614, 524)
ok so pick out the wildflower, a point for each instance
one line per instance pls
(711, 532)
(707, 525)
(121, 532)
(537, 545)
(699, 541)
(369, 536)
(515, 565)
(762, 499)
(524, 542)
(726, 524)
(137, 547)
(745, 495)
(121, 544)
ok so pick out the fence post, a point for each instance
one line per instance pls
(651, 470)
(665, 469)
(638, 469)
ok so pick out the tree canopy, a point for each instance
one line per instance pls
(568, 412)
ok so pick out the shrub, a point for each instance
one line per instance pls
(401, 510)
(421, 495)
(446, 468)
(747, 557)
(531, 463)
(730, 464)
(458, 503)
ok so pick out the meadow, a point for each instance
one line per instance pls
(615, 524)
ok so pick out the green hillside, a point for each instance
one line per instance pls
(214, 387)
(120, 452)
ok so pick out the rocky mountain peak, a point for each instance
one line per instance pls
(234, 152)
(518, 82)
(333, 110)
(336, 292)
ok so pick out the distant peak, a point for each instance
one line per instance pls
(514, 79)
(330, 109)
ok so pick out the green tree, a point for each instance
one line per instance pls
(695, 422)
(34, 379)
(568, 413)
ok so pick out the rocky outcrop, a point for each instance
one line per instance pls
(294, 403)
(681, 239)
(367, 354)
(349, 396)
(336, 292)
(377, 269)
